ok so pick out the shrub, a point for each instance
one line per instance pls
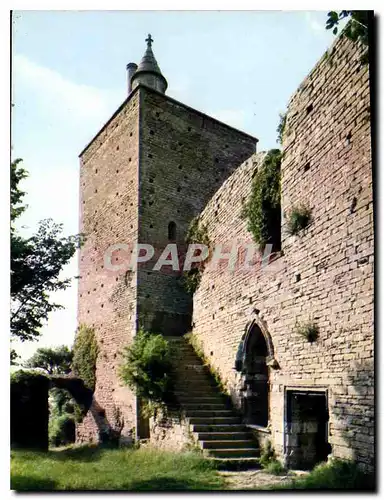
(85, 351)
(263, 211)
(298, 218)
(147, 367)
(337, 474)
(61, 430)
(308, 330)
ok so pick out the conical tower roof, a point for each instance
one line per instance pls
(148, 65)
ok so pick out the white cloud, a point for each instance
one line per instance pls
(60, 95)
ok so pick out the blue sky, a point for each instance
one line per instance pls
(69, 76)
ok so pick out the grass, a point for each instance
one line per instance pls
(94, 468)
(275, 468)
(336, 475)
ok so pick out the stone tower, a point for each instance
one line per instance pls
(150, 169)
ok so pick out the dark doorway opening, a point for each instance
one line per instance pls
(306, 429)
(172, 231)
(256, 396)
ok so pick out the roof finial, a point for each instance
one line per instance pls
(149, 40)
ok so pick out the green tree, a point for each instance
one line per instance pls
(53, 360)
(356, 29)
(36, 263)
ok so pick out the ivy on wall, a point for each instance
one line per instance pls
(85, 351)
(197, 233)
(262, 210)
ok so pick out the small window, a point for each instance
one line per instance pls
(172, 231)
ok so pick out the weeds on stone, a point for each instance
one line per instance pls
(309, 330)
(298, 218)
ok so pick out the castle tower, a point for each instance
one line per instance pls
(144, 176)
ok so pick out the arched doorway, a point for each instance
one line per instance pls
(256, 378)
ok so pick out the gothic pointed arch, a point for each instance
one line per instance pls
(256, 323)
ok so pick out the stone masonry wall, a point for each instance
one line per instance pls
(107, 299)
(185, 156)
(324, 274)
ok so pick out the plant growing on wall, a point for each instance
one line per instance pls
(308, 330)
(85, 351)
(298, 218)
(263, 211)
(357, 28)
(269, 461)
(147, 367)
(197, 233)
(281, 127)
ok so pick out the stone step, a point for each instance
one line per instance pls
(210, 413)
(223, 436)
(214, 420)
(221, 405)
(203, 400)
(218, 427)
(232, 452)
(194, 377)
(197, 392)
(192, 367)
(200, 389)
(228, 444)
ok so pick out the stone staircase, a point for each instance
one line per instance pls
(217, 428)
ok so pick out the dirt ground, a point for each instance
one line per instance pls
(250, 479)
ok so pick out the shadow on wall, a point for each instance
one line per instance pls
(108, 432)
(356, 418)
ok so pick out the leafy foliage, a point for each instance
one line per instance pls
(148, 368)
(26, 377)
(262, 211)
(336, 474)
(281, 127)
(17, 174)
(357, 27)
(298, 218)
(61, 430)
(85, 351)
(308, 330)
(35, 266)
(197, 233)
(53, 360)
